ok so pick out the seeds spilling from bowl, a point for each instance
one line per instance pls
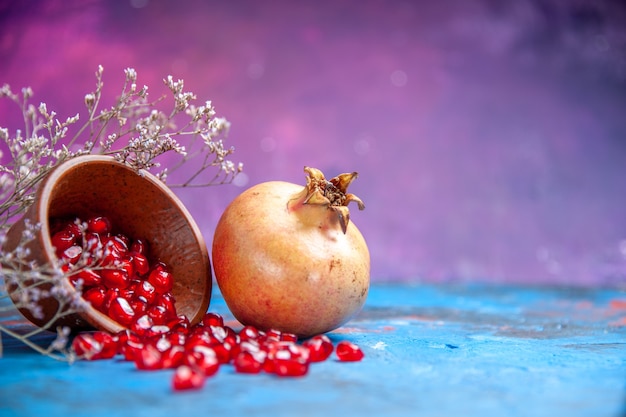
(123, 282)
(120, 280)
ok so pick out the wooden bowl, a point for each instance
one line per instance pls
(139, 206)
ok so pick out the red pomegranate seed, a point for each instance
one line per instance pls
(141, 325)
(99, 224)
(85, 346)
(174, 357)
(121, 311)
(72, 254)
(186, 378)
(96, 297)
(74, 229)
(147, 291)
(168, 302)
(131, 348)
(109, 344)
(248, 333)
(245, 362)
(88, 277)
(139, 246)
(162, 280)
(288, 337)
(223, 351)
(94, 345)
(212, 319)
(140, 262)
(148, 359)
(203, 358)
(138, 305)
(348, 352)
(180, 324)
(273, 335)
(290, 367)
(62, 240)
(115, 278)
(320, 348)
(158, 314)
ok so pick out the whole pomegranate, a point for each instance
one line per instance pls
(288, 258)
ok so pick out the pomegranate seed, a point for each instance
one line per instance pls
(88, 277)
(74, 229)
(139, 246)
(95, 345)
(320, 348)
(273, 335)
(124, 240)
(203, 358)
(138, 305)
(140, 262)
(96, 297)
(290, 367)
(148, 359)
(348, 352)
(174, 357)
(62, 240)
(212, 319)
(168, 302)
(128, 267)
(248, 333)
(147, 291)
(109, 344)
(180, 324)
(245, 362)
(115, 278)
(288, 337)
(86, 346)
(186, 378)
(158, 314)
(223, 351)
(141, 325)
(131, 348)
(176, 338)
(162, 280)
(121, 311)
(72, 254)
(99, 224)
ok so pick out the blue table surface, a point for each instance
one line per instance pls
(431, 350)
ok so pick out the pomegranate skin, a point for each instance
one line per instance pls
(284, 264)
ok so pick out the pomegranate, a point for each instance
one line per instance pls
(287, 257)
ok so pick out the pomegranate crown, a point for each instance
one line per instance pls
(332, 193)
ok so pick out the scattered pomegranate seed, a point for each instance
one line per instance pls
(95, 345)
(149, 358)
(138, 296)
(247, 363)
(348, 352)
(320, 348)
(186, 378)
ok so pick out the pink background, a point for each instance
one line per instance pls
(490, 139)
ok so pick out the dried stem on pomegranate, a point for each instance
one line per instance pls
(332, 194)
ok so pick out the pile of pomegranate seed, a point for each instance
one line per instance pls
(122, 283)
(125, 286)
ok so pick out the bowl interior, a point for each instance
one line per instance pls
(139, 206)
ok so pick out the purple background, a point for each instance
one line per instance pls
(489, 138)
